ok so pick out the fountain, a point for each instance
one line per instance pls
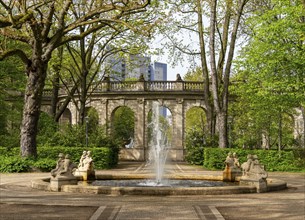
(231, 182)
(158, 145)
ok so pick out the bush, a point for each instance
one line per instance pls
(44, 164)
(10, 161)
(14, 164)
(103, 157)
(273, 160)
(194, 148)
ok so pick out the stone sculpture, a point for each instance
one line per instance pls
(232, 169)
(63, 173)
(253, 169)
(85, 168)
(229, 160)
(254, 173)
(59, 165)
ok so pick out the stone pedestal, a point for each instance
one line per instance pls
(230, 174)
(85, 175)
(56, 183)
(260, 184)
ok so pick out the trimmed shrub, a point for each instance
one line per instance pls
(14, 164)
(44, 164)
(10, 161)
(273, 160)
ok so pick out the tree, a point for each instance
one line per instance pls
(271, 69)
(12, 82)
(47, 25)
(214, 49)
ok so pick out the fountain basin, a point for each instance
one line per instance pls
(84, 187)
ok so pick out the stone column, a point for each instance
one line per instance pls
(140, 130)
(178, 128)
(102, 109)
(74, 113)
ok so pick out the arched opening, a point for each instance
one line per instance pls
(91, 119)
(122, 126)
(195, 135)
(66, 117)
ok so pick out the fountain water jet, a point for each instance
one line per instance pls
(159, 143)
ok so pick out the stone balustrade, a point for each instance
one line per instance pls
(139, 86)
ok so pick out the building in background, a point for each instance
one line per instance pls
(159, 72)
(137, 65)
(121, 69)
(134, 67)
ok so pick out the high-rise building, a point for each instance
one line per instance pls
(121, 69)
(115, 68)
(159, 72)
(137, 65)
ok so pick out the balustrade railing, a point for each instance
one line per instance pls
(140, 86)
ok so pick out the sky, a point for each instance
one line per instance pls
(172, 71)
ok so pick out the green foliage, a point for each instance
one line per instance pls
(197, 135)
(195, 75)
(270, 71)
(103, 157)
(194, 148)
(14, 164)
(12, 80)
(123, 124)
(273, 160)
(7, 151)
(67, 135)
(46, 128)
(44, 164)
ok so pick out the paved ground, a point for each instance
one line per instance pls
(19, 201)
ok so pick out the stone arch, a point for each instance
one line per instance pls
(130, 124)
(167, 119)
(66, 117)
(45, 109)
(195, 132)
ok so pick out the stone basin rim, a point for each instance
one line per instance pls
(44, 184)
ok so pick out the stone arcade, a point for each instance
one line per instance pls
(178, 96)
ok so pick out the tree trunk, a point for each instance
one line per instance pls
(55, 83)
(222, 128)
(205, 73)
(64, 105)
(55, 91)
(31, 110)
(303, 136)
(83, 96)
(280, 135)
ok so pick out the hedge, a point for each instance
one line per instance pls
(273, 160)
(10, 160)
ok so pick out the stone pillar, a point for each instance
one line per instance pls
(176, 152)
(141, 83)
(140, 130)
(101, 107)
(74, 113)
(179, 83)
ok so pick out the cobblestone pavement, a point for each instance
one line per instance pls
(19, 201)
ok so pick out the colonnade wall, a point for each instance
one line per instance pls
(141, 106)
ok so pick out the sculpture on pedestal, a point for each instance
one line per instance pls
(232, 169)
(254, 173)
(253, 169)
(64, 167)
(63, 173)
(85, 167)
